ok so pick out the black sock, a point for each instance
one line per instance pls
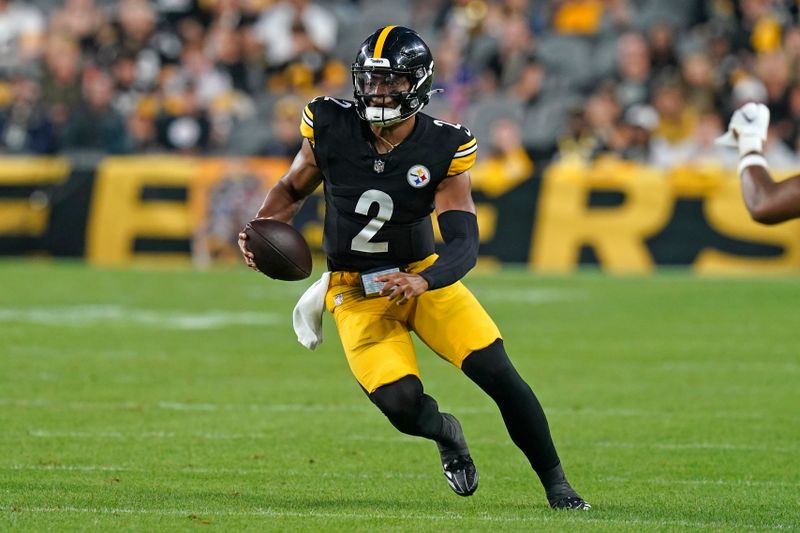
(555, 483)
(491, 369)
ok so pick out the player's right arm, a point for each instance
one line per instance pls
(286, 198)
(767, 201)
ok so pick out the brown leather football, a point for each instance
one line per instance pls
(279, 249)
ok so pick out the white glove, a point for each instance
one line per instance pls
(747, 129)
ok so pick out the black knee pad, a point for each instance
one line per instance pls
(407, 407)
(399, 401)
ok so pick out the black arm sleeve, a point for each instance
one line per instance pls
(460, 233)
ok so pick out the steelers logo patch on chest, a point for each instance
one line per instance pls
(418, 176)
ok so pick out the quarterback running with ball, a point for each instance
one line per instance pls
(384, 168)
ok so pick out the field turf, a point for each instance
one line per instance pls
(180, 401)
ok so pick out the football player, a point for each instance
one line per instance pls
(384, 168)
(767, 201)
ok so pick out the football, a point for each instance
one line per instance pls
(279, 249)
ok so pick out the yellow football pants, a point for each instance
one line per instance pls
(375, 332)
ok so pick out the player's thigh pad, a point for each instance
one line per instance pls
(374, 335)
(453, 323)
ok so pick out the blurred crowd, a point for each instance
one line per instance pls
(651, 81)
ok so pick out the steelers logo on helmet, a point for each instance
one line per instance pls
(392, 76)
(418, 176)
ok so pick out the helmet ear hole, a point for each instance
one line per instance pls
(398, 51)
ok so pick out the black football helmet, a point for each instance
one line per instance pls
(397, 59)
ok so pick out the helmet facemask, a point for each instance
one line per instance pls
(376, 83)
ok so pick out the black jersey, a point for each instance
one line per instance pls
(378, 206)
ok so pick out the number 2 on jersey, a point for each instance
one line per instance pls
(362, 242)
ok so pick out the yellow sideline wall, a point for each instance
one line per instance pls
(563, 222)
(28, 214)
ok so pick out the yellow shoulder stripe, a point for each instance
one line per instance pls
(307, 124)
(462, 163)
(467, 149)
(381, 40)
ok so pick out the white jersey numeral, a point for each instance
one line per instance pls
(361, 242)
(456, 126)
(341, 103)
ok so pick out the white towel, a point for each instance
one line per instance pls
(307, 314)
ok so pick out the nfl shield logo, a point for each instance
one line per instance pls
(378, 166)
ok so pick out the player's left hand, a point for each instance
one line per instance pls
(400, 287)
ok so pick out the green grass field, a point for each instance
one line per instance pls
(142, 400)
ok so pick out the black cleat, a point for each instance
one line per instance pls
(461, 474)
(460, 471)
(572, 503)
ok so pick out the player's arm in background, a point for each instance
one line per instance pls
(768, 202)
(286, 198)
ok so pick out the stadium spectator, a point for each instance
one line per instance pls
(515, 49)
(579, 142)
(634, 133)
(95, 124)
(535, 61)
(24, 125)
(287, 139)
(224, 47)
(661, 39)
(134, 33)
(61, 82)
(22, 30)
(773, 69)
(208, 82)
(128, 92)
(543, 113)
(700, 86)
(183, 125)
(81, 21)
(507, 163)
(676, 116)
(702, 150)
(456, 78)
(602, 111)
(292, 28)
(254, 60)
(633, 70)
(143, 131)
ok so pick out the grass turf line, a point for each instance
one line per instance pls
(145, 400)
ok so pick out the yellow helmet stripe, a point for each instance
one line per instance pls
(381, 40)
